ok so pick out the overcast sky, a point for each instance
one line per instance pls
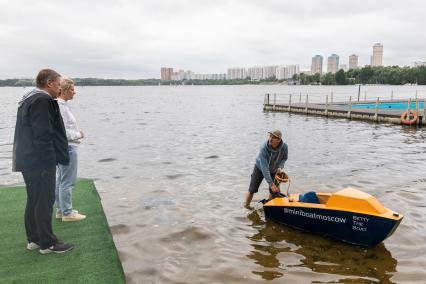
(134, 39)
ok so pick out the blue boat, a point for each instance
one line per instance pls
(349, 215)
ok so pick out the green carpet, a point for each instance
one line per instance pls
(94, 258)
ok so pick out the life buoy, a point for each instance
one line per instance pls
(409, 117)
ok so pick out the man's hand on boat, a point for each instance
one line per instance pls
(275, 188)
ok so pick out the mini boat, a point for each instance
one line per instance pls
(349, 215)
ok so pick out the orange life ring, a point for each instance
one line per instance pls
(409, 117)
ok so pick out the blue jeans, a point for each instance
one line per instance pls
(66, 177)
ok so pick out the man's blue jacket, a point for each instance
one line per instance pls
(269, 160)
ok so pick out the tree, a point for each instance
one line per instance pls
(328, 79)
(421, 75)
(340, 77)
(365, 75)
(316, 78)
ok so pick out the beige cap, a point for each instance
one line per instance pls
(276, 133)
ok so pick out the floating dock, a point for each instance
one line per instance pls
(349, 109)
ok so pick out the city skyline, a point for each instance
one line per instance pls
(133, 39)
(278, 72)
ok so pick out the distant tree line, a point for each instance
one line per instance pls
(390, 75)
(124, 82)
(17, 83)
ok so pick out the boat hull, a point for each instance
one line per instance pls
(350, 227)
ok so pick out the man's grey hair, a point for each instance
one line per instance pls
(45, 75)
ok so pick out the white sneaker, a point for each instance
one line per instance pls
(59, 214)
(32, 246)
(73, 217)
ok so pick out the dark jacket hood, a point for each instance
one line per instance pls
(30, 94)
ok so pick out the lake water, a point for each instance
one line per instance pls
(172, 165)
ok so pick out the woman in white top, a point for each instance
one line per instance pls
(66, 176)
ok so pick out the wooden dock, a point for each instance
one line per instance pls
(346, 109)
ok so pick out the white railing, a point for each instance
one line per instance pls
(343, 98)
(347, 101)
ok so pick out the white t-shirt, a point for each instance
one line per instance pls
(71, 127)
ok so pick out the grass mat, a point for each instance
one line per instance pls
(94, 258)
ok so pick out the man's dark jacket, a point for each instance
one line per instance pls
(40, 139)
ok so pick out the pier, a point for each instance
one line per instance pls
(367, 110)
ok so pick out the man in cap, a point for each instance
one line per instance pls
(270, 160)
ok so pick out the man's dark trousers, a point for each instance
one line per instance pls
(40, 184)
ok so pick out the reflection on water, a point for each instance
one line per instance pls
(277, 248)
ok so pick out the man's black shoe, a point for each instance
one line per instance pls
(57, 248)
(56, 240)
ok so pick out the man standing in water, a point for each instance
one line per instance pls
(270, 160)
(39, 145)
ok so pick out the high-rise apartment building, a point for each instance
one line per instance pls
(175, 76)
(255, 73)
(377, 58)
(189, 75)
(182, 74)
(353, 61)
(280, 72)
(332, 63)
(166, 73)
(215, 76)
(269, 72)
(292, 70)
(316, 66)
(236, 73)
(287, 72)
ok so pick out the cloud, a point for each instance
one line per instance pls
(133, 39)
